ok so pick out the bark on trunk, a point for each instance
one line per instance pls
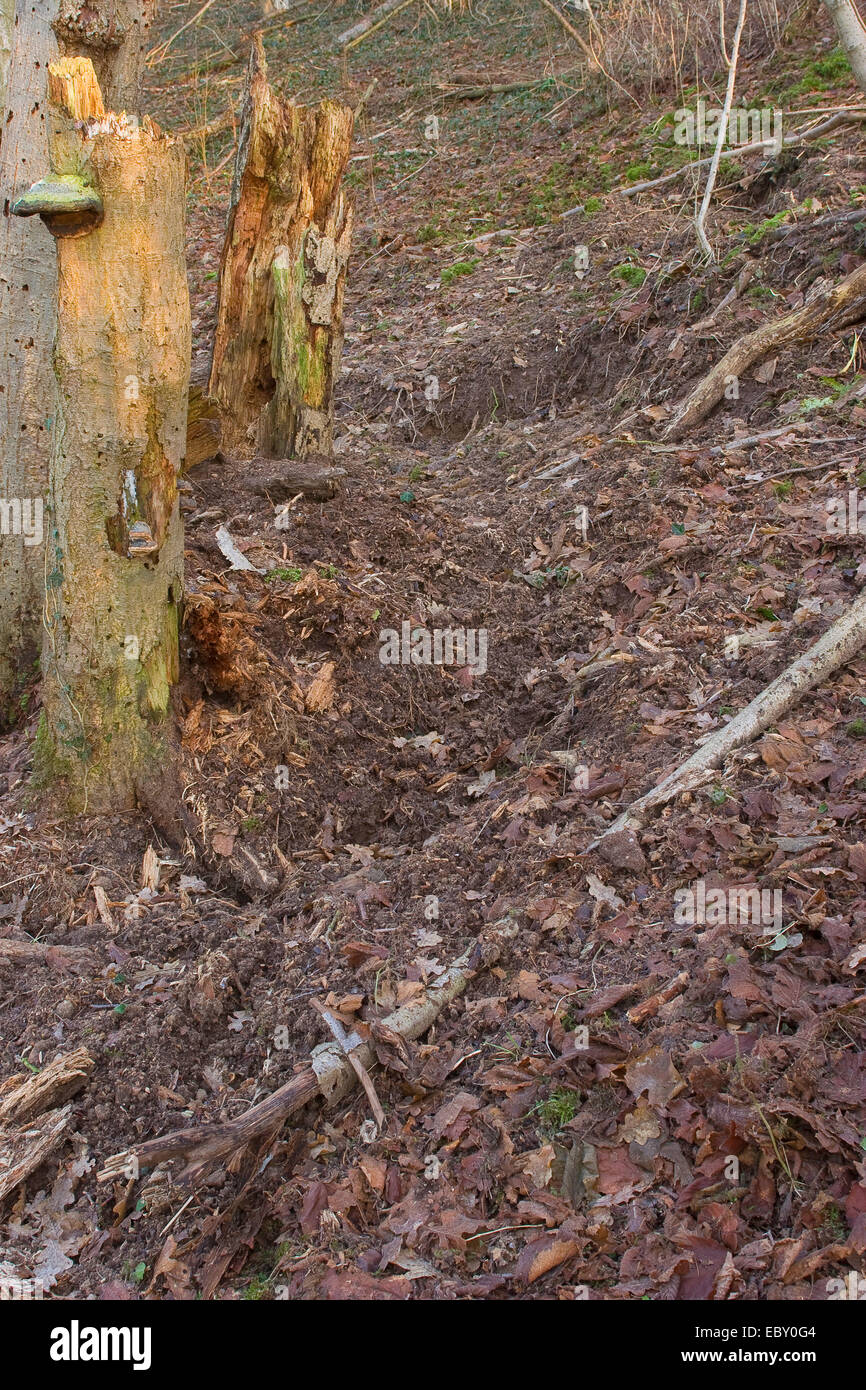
(852, 35)
(113, 35)
(7, 23)
(114, 541)
(280, 319)
(111, 32)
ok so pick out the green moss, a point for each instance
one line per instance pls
(633, 275)
(460, 268)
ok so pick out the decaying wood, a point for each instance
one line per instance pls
(38, 952)
(23, 1151)
(313, 479)
(330, 1076)
(27, 1136)
(203, 432)
(830, 309)
(114, 572)
(29, 1093)
(839, 643)
(278, 338)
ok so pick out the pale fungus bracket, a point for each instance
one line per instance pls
(68, 206)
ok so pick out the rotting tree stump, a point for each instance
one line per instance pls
(279, 331)
(114, 540)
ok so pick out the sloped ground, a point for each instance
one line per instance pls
(363, 822)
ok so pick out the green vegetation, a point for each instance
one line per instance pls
(290, 573)
(633, 275)
(556, 1111)
(460, 268)
(754, 232)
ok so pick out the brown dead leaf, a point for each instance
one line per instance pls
(541, 1256)
(656, 1074)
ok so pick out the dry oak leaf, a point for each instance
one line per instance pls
(547, 1253)
(656, 1074)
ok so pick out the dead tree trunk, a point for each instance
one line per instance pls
(280, 320)
(114, 541)
(112, 33)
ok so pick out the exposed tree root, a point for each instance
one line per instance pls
(831, 308)
(329, 1075)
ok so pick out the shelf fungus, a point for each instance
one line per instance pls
(140, 540)
(68, 206)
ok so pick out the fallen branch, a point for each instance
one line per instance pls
(834, 219)
(312, 479)
(489, 90)
(570, 29)
(41, 952)
(329, 1075)
(348, 1044)
(370, 23)
(838, 644)
(640, 1012)
(832, 308)
(29, 1093)
(799, 137)
(225, 121)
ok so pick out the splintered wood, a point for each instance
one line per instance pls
(279, 330)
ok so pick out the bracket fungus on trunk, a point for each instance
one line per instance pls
(67, 205)
(114, 561)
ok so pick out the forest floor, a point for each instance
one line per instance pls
(499, 419)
